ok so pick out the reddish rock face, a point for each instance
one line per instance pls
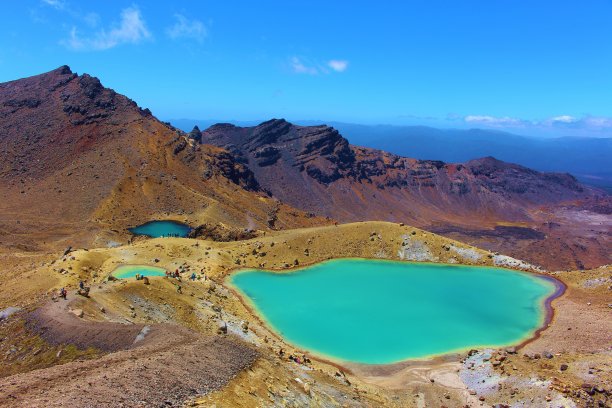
(314, 168)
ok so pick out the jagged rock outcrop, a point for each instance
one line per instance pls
(221, 233)
(195, 134)
(319, 151)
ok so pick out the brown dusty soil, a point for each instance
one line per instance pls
(168, 366)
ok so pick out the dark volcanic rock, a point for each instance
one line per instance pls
(196, 134)
(225, 164)
(318, 151)
(221, 233)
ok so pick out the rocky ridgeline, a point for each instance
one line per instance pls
(324, 155)
(48, 118)
(318, 155)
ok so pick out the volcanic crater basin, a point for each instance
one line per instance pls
(382, 312)
(164, 228)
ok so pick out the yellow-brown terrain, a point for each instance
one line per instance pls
(80, 164)
(578, 335)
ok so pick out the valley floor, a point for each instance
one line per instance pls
(203, 347)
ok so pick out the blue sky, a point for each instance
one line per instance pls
(541, 67)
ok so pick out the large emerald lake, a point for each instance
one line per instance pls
(379, 312)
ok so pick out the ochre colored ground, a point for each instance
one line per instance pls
(267, 379)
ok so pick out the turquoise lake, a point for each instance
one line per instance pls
(379, 312)
(157, 229)
(130, 271)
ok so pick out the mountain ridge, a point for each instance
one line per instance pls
(589, 161)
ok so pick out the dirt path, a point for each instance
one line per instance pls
(167, 366)
(57, 325)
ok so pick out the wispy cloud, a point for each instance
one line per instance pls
(131, 29)
(185, 28)
(556, 124)
(299, 67)
(303, 66)
(338, 65)
(58, 4)
(63, 6)
(563, 119)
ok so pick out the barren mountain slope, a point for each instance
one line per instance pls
(79, 160)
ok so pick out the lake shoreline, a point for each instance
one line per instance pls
(378, 368)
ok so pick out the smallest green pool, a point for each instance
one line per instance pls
(164, 228)
(130, 271)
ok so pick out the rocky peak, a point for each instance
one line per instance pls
(195, 134)
(320, 151)
(269, 132)
(58, 108)
(63, 70)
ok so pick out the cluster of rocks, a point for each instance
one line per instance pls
(507, 261)
(415, 250)
(221, 233)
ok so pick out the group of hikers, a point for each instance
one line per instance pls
(177, 275)
(63, 293)
(83, 290)
(171, 236)
(296, 359)
(142, 278)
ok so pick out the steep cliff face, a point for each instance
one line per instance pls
(316, 169)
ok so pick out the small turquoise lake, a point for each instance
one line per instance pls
(157, 229)
(381, 312)
(130, 271)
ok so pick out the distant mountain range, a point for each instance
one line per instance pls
(589, 159)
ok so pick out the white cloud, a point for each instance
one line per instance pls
(131, 30)
(185, 28)
(564, 119)
(493, 121)
(338, 65)
(300, 67)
